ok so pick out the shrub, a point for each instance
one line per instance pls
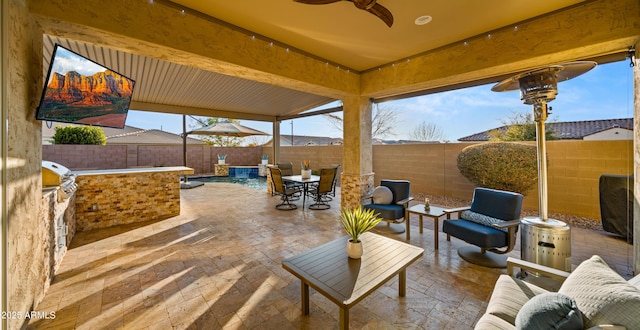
(500, 165)
(79, 135)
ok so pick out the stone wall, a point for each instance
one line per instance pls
(573, 172)
(50, 212)
(106, 200)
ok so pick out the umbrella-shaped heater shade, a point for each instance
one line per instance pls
(227, 129)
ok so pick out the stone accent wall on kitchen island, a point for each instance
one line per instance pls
(107, 198)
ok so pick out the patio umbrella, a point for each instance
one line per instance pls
(227, 129)
(223, 128)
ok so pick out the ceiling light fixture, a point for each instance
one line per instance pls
(422, 20)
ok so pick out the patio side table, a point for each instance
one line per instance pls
(434, 212)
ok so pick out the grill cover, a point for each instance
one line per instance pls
(616, 204)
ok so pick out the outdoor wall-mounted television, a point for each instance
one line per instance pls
(79, 90)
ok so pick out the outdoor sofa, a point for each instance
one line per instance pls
(593, 296)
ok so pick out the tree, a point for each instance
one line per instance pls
(500, 165)
(79, 135)
(427, 132)
(383, 121)
(216, 140)
(519, 127)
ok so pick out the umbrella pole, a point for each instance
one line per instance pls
(184, 145)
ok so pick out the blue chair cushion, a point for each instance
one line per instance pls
(504, 205)
(475, 233)
(387, 211)
(400, 189)
(481, 219)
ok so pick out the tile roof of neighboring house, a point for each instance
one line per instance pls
(380, 141)
(127, 135)
(570, 130)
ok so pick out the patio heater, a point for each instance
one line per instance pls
(544, 241)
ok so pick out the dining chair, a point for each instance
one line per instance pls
(287, 170)
(280, 188)
(323, 188)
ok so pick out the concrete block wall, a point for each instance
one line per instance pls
(200, 158)
(81, 157)
(574, 169)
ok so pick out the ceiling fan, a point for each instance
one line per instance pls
(369, 5)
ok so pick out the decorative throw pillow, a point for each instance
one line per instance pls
(481, 219)
(550, 310)
(382, 195)
(602, 295)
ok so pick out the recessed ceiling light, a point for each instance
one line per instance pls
(422, 20)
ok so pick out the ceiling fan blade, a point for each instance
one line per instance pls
(383, 13)
(317, 2)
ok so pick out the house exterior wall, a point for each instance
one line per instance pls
(611, 134)
(574, 170)
(27, 238)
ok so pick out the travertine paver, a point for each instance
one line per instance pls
(218, 265)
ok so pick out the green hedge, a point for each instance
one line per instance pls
(79, 135)
(500, 165)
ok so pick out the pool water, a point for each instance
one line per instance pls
(259, 183)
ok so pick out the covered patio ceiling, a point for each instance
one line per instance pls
(215, 64)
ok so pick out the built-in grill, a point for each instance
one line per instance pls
(55, 175)
(59, 210)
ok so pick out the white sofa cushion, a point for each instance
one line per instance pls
(508, 297)
(602, 295)
(492, 322)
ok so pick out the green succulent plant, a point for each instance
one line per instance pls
(358, 221)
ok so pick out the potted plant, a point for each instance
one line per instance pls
(356, 222)
(306, 169)
(221, 158)
(265, 159)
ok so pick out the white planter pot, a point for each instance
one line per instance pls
(354, 250)
(220, 161)
(265, 161)
(306, 174)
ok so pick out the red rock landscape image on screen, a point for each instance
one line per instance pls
(100, 99)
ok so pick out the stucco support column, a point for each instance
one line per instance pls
(636, 163)
(357, 176)
(275, 142)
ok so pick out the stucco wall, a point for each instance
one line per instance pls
(26, 244)
(573, 172)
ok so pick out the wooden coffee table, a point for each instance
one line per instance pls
(433, 212)
(346, 281)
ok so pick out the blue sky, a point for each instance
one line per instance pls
(605, 92)
(66, 61)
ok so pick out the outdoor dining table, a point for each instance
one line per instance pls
(305, 183)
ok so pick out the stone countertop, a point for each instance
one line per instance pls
(181, 169)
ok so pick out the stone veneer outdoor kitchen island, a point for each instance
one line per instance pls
(107, 198)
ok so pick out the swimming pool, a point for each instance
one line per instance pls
(259, 183)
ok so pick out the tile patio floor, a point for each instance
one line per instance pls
(218, 266)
